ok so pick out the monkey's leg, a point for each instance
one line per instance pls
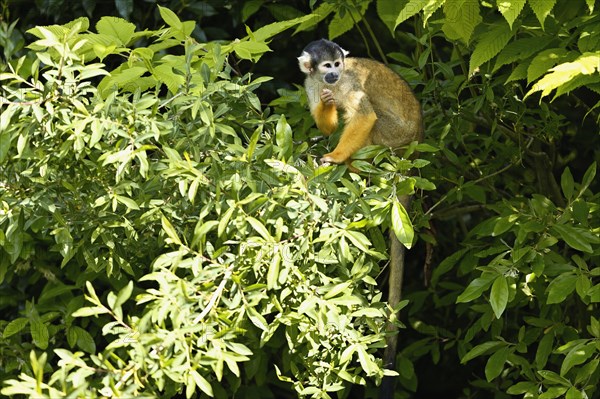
(397, 252)
(326, 117)
(355, 136)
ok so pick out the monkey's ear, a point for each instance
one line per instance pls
(344, 52)
(304, 62)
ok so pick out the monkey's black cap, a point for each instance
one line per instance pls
(324, 50)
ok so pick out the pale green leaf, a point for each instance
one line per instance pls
(89, 311)
(124, 294)
(170, 18)
(401, 224)
(511, 9)
(412, 8)
(561, 74)
(542, 62)
(259, 228)
(118, 28)
(170, 230)
(202, 383)
(462, 17)
(590, 4)
(430, 8)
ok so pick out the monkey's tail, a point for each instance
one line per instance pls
(397, 252)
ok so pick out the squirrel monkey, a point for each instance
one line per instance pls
(378, 108)
(378, 105)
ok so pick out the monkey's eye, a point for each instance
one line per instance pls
(337, 64)
(327, 65)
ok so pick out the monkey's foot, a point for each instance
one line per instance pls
(332, 157)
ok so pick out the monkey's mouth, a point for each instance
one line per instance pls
(331, 78)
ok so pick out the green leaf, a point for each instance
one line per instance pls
(202, 383)
(476, 287)
(273, 29)
(480, 350)
(523, 387)
(388, 10)
(567, 184)
(273, 272)
(575, 237)
(521, 49)
(541, 8)
(14, 327)
(84, 340)
(412, 8)
(511, 9)
(124, 294)
(170, 18)
(170, 230)
(39, 334)
(588, 177)
(551, 376)
(545, 60)
(495, 363)
(406, 367)
(117, 28)
(499, 296)
(560, 288)
(565, 73)
(259, 228)
(337, 289)
(590, 4)
(446, 265)
(545, 347)
(401, 224)
(343, 22)
(574, 393)
(257, 319)
(462, 17)
(89, 311)
(577, 355)
(489, 45)
(250, 50)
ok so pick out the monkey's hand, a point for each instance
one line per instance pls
(327, 97)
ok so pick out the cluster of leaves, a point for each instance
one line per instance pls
(165, 179)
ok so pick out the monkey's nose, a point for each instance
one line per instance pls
(331, 77)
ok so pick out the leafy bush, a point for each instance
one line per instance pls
(167, 180)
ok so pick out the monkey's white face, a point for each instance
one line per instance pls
(331, 70)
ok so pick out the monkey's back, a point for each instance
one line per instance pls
(399, 116)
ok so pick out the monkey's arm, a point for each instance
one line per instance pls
(360, 119)
(325, 113)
